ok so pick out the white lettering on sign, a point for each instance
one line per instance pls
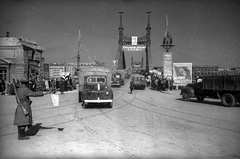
(134, 48)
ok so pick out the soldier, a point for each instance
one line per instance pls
(20, 119)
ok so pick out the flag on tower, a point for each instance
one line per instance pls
(79, 35)
(166, 25)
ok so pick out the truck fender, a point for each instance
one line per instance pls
(189, 90)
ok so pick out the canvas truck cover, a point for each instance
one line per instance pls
(93, 70)
(222, 82)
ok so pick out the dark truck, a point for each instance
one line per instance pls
(95, 86)
(117, 79)
(139, 81)
(224, 87)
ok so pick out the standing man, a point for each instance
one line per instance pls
(20, 119)
(131, 87)
(62, 85)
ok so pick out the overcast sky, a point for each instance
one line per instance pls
(205, 32)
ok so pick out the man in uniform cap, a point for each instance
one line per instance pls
(20, 119)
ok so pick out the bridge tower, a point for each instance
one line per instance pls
(125, 43)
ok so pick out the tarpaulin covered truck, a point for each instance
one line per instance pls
(224, 87)
(95, 85)
(117, 79)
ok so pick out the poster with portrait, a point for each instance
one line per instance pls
(182, 73)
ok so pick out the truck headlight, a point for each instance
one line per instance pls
(89, 92)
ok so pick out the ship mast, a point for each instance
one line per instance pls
(79, 47)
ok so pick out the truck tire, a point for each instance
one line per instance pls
(228, 100)
(110, 105)
(84, 105)
(185, 96)
(200, 99)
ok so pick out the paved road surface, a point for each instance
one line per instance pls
(145, 124)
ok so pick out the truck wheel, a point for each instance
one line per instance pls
(84, 105)
(110, 105)
(200, 99)
(185, 96)
(228, 100)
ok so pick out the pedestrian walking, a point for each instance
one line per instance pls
(20, 119)
(62, 85)
(131, 87)
(2, 86)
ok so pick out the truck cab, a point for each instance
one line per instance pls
(195, 90)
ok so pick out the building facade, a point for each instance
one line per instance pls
(57, 69)
(19, 58)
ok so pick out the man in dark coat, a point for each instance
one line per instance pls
(20, 119)
(62, 85)
(131, 87)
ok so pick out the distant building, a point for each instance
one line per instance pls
(20, 57)
(56, 69)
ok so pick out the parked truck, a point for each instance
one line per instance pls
(224, 87)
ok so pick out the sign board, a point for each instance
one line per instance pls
(134, 40)
(115, 63)
(167, 64)
(182, 73)
(133, 47)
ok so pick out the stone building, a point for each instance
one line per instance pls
(19, 58)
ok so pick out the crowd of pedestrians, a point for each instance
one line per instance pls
(156, 81)
(53, 84)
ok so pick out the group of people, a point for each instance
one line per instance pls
(161, 84)
(155, 82)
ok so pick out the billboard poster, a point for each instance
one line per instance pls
(182, 73)
(167, 64)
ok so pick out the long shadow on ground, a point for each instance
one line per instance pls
(33, 130)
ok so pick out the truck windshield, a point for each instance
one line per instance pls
(199, 80)
(117, 76)
(96, 80)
